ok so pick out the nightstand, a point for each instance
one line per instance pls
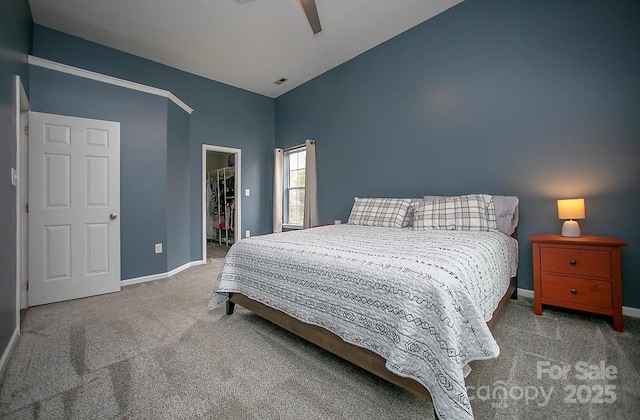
(579, 273)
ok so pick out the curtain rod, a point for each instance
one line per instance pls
(298, 146)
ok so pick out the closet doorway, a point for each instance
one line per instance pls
(221, 215)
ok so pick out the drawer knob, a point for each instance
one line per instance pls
(573, 262)
(574, 292)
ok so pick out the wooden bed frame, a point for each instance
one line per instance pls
(359, 356)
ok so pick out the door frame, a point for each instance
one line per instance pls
(22, 190)
(238, 196)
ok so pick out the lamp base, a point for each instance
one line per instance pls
(571, 229)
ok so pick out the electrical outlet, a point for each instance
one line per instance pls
(247, 233)
(158, 248)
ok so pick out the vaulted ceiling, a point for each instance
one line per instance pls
(249, 44)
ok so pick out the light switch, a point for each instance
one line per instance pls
(247, 192)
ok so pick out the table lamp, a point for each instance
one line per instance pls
(571, 209)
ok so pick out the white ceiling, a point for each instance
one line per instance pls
(248, 45)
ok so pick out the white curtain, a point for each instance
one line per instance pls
(310, 205)
(277, 191)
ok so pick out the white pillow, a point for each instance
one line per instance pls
(506, 213)
(473, 212)
(381, 212)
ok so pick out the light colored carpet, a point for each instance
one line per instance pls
(153, 351)
(216, 250)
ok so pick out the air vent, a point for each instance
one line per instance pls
(280, 81)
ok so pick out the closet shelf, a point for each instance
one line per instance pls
(225, 180)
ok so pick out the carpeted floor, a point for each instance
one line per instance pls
(152, 351)
(216, 250)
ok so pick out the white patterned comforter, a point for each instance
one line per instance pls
(420, 299)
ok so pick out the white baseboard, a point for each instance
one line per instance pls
(632, 312)
(8, 350)
(525, 293)
(160, 276)
(626, 310)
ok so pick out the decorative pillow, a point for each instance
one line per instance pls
(381, 212)
(473, 212)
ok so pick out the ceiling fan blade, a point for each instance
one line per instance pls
(311, 11)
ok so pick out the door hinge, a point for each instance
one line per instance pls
(26, 130)
(27, 285)
(27, 208)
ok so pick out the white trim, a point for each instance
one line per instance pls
(525, 293)
(22, 105)
(292, 227)
(87, 74)
(160, 276)
(238, 164)
(626, 310)
(7, 352)
(632, 312)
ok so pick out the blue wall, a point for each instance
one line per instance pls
(178, 217)
(15, 44)
(532, 98)
(223, 116)
(538, 99)
(143, 157)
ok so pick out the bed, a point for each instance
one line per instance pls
(388, 292)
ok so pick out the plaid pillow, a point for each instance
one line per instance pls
(381, 212)
(474, 212)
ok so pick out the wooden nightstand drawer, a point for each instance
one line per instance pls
(582, 273)
(578, 262)
(575, 290)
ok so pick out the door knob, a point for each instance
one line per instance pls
(113, 216)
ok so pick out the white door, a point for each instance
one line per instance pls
(74, 207)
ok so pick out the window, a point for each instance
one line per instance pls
(294, 175)
(294, 189)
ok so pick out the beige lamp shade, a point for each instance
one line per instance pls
(569, 210)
